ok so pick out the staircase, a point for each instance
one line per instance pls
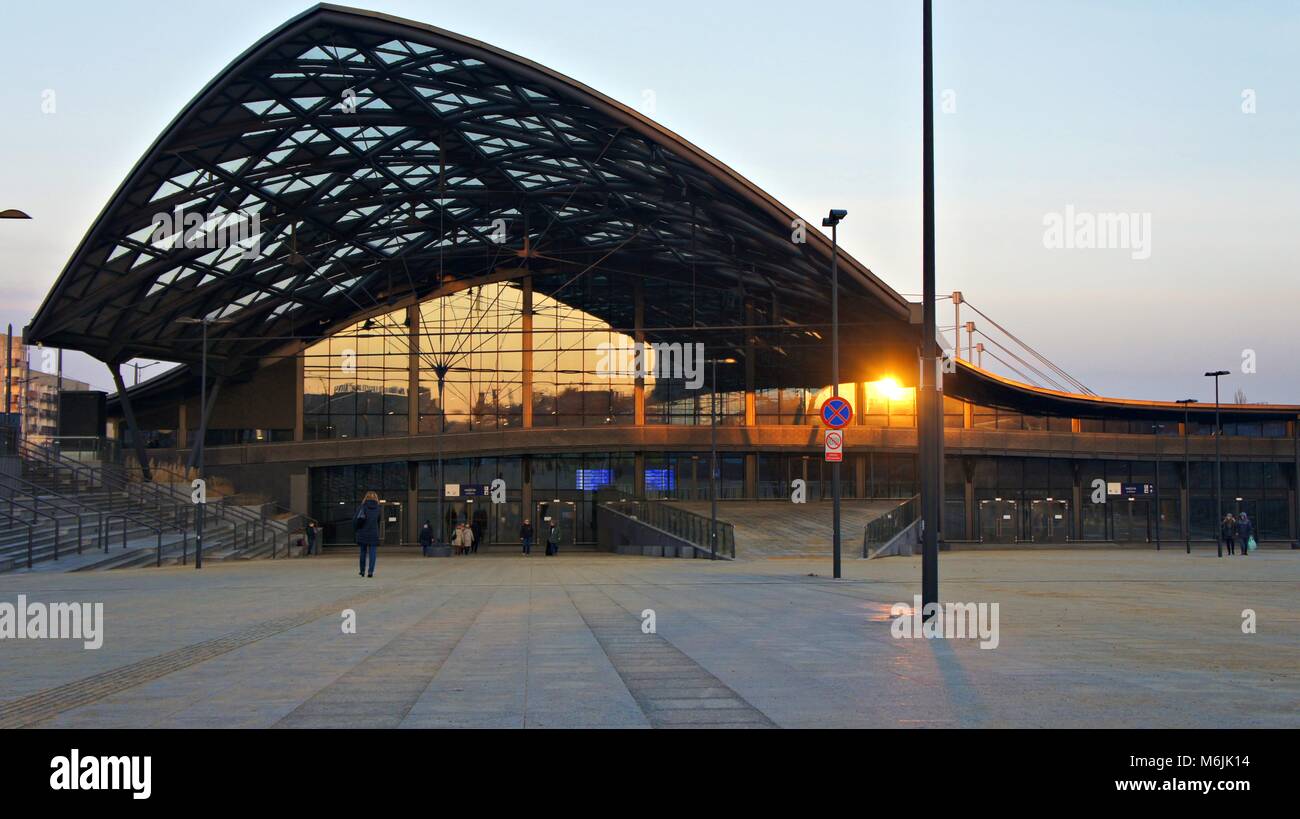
(65, 514)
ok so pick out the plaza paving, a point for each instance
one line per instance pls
(1118, 639)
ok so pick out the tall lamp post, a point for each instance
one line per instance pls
(929, 419)
(1218, 470)
(1187, 476)
(713, 456)
(10, 213)
(1155, 435)
(203, 431)
(832, 221)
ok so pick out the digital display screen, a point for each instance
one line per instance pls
(594, 478)
(660, 480)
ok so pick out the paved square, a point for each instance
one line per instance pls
(1087, 639)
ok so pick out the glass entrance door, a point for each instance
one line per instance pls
(998, 521)
(1132, 520)
(390, 523)
(1049, 520)
(564, 514)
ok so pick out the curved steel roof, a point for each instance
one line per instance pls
(372, 158)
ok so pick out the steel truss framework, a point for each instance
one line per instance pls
(383, 160)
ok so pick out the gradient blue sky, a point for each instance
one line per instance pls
(1103, 105)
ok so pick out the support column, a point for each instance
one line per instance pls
(205, 415)
(412, 533)
(968, 473)
(300, 387)
(136, 438)
(751, 475)
(526, 492)
(1184, 503)
(860, 474)
(413, 370)
(183, 426)
(1076, 497)
(527, 355)
(751, 413)
(638, 337)
(638, 479)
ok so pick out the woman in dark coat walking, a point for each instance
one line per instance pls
(366, 523)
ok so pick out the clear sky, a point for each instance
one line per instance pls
(1108, 106)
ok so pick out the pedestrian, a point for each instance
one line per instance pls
(476, 532)
(526, 536)
(552, 539)
(311, 537)
(467, 539)
(456, 539)
(1245, 532)
(366, 524)
(1228, 531)
(426, 538)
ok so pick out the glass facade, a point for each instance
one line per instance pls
(499, 356)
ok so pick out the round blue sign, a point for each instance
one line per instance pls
(836, 413)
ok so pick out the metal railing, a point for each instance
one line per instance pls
(8, 440)
(13, 486)
(886, 527)
(679, 523)
(31, 525)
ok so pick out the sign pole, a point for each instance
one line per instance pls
(929, 420)
(835, 391)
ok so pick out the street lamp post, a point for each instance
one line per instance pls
(713, 457)
(832, 221)
(1218, 470)
(138, 367)
(10, 213)
(1155, 435)
(929, 422)
(199, 508)
(1187, 476)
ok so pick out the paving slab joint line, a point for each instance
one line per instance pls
(44, 705)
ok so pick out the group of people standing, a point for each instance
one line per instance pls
(464, 540)
(1237, 530)
(526, 537)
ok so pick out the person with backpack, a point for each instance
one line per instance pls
(1245, 533)
(426, 538)
(366, 524)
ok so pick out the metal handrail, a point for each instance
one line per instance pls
(680, 523)
(58, 461)
(36, 512)
(31, 529)
(106, 479)
(109, 478)
(885, 528)
(77, 509)
(111, 453)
